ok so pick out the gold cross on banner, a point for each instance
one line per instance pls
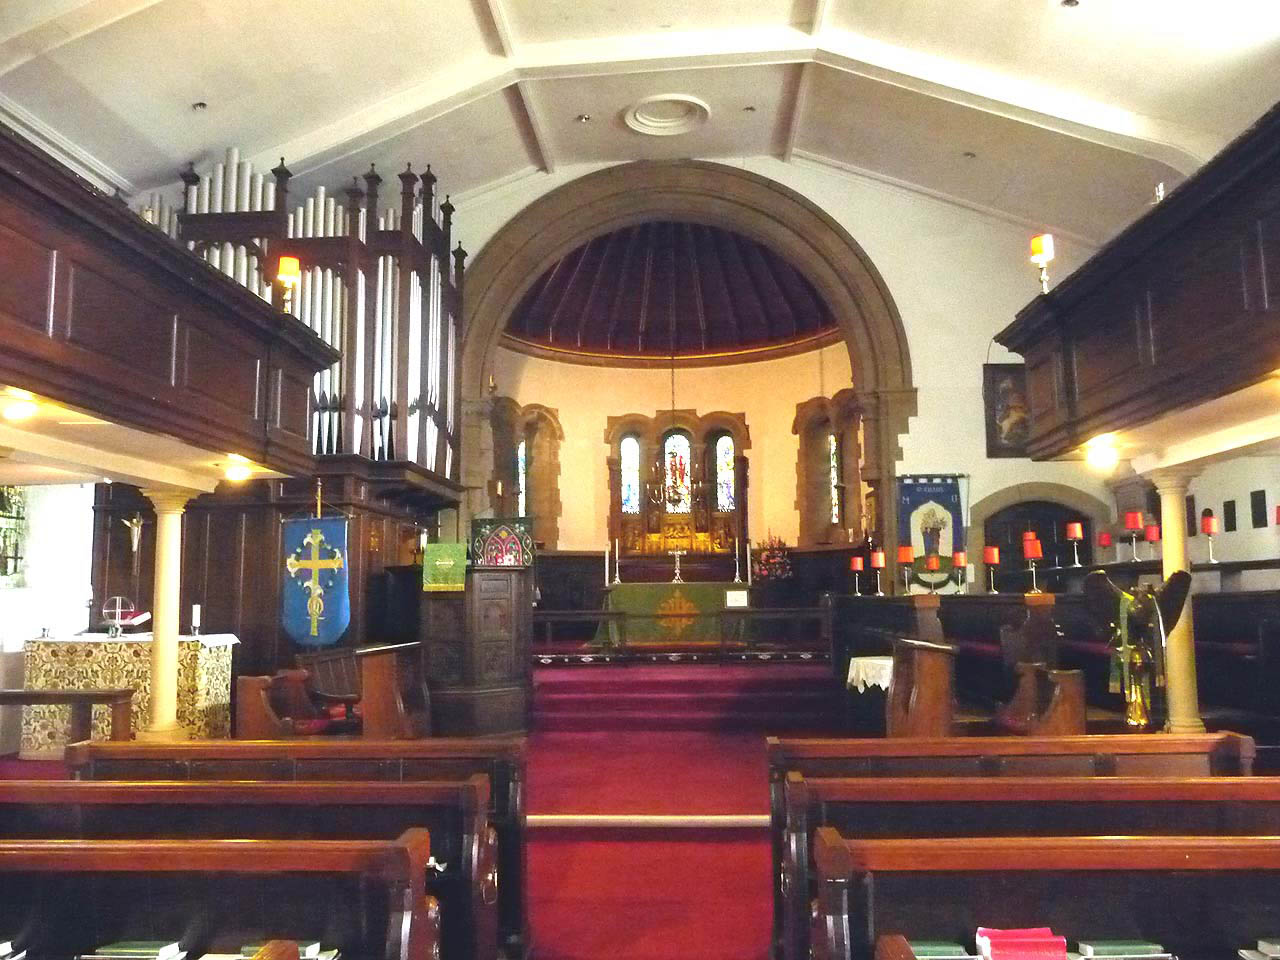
(315, 602)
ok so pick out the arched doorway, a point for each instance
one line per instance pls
(715, 195)
(1005, 529)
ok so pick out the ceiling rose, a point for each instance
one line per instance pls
(666, 114)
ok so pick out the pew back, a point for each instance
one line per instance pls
(454, 812)
(367, 898)
(868, 808)
(361, 759)
(1198, 896)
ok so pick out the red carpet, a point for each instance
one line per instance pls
(659, 739)
(781, 697)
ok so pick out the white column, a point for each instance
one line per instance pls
(163, 722)
(1180, 667)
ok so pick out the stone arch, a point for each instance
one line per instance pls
(979, 513)
(716, 195)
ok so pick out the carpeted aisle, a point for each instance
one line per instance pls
(658, 740)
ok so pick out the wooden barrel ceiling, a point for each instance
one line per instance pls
(665, 288)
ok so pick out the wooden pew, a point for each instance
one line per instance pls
(386, 678)
(278, 707)
(867, 808)
(1046, 703)
(864, 626)
(120, 699)
(1198, 896)
(502, 760)
(1165, 755)
(992, 633)
(367, 898)
(921, 698)
(454, 812)
(1238, 648)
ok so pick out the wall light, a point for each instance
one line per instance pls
(237, 472)
(1041, 254)
(1101, 453)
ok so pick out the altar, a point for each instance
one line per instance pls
(669, 613)
(88, 660)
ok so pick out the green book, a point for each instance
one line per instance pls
(1120, 948)
(138, 948)
(307, 949)
(937, 949)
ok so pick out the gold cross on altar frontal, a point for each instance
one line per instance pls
(315, 602)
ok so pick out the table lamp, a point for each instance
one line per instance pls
(1133, 523)
(1032, 550)
(906, 560)
(877, 564)
(1075, 533)
(1209, 527)
(991, 557)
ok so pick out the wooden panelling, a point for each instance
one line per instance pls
(1172, 312)
(116, 323)
(220, 369)
(27, 289)
(290, 416)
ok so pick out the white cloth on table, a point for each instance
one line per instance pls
(205, 639)
(867, 672)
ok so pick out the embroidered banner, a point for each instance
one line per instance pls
(444, 567)
(502, 542)
(930, 521)
(316, 602)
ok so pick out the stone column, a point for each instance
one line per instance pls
(163, 722)
(1180, 666)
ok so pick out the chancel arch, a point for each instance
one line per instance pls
(731, 198)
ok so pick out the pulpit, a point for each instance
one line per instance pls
(476, 646)
(92, 660)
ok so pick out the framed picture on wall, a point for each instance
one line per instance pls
(1005, 409)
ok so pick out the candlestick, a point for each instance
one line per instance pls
(960, 563)
(1152, 535)
(906, 559)
(856, 566)
(195, 619)
(737, 568)
(877, 564)
(749, 563)
(617, 563)
(1032, 550)
(1075, 533)
(991, 557)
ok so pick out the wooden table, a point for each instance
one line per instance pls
(119, 699)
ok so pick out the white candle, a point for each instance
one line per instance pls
(748, 563)
(606, 564)
(195, 616)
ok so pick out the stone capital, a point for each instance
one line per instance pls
(1172, 479)
(169, 500)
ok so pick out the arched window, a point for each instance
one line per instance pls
(679, 489)
(629, 454)
(522, 480)
(833, 470)
(724, 474)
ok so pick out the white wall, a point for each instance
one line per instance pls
(1235, 480)
(957, 275)
(59, 547)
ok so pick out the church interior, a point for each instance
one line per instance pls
(532, 480)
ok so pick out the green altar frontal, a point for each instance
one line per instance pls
(662, 614)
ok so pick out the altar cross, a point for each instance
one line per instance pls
(677, 554)
(315, 598)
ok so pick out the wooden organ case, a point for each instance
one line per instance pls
(378, 282)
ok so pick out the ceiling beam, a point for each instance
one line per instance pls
(31, 28)
(501, 26)
(537, 128)
(796, 116)
(821, 10)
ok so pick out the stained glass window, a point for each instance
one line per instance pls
(679, 489)
(521, 480)
(724, 473)
(833, 453)
(630, 456)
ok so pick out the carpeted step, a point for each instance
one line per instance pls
(586, 721)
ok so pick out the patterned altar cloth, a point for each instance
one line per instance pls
(867, 672)
(91, 660)
(666, 613)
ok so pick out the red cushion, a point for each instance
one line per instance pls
(979, 648)
(1092, 647)
(311, 727)
(1235, 649)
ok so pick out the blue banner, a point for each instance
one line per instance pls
(316, 602)
(931, 522)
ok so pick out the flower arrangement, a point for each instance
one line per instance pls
(771, 560)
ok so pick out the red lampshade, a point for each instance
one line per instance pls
(877, 559)
(1209, 525)
(1032, 550)
(855, 564)
(991, 556)
(1104, 539)
(906, 555)
(1028, 535)
(1075, 531)
(933, 562)
(289, 271)
(959, 559)
(1153, 533)
(1133, 520)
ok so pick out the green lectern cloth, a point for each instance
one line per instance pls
(689, 612)
(444, 567)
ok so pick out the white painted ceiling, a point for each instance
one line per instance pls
(1072, 114)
